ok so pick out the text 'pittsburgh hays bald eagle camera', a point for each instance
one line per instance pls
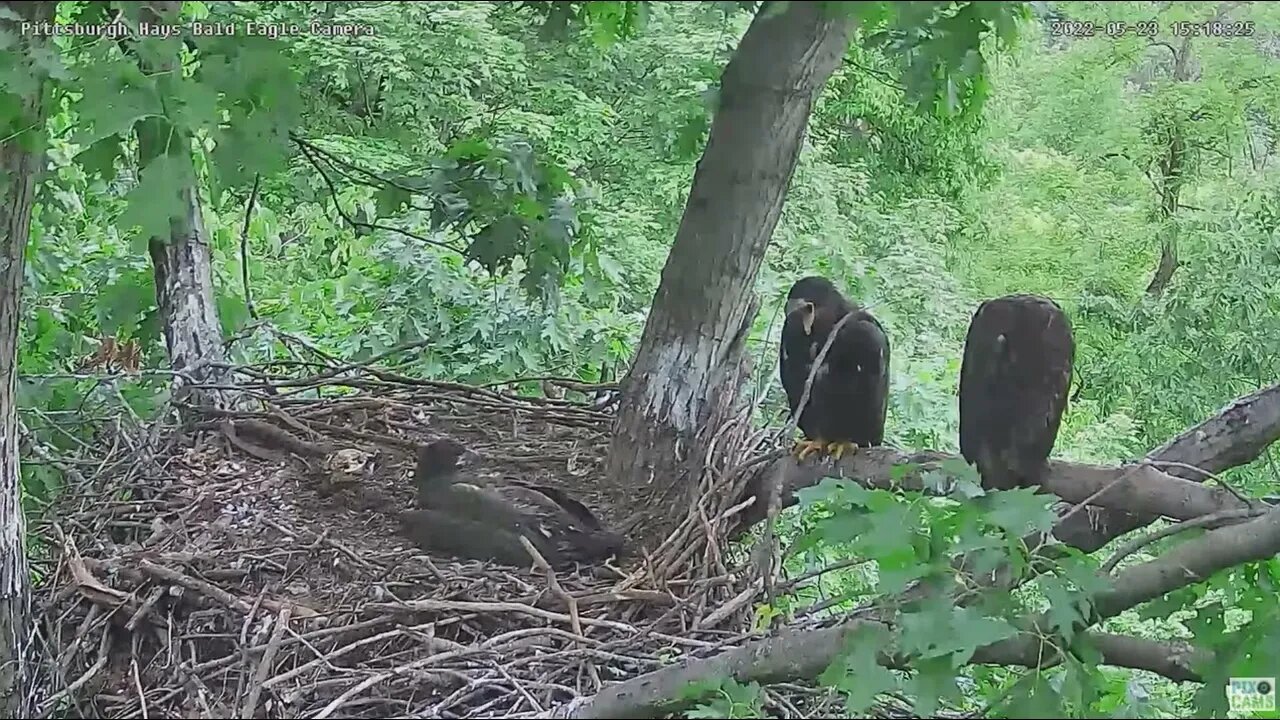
(1014, 379)
(849, 397)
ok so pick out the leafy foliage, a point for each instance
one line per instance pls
(505, 179)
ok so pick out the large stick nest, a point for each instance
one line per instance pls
(254, 569)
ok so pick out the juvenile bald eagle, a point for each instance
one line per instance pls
(850, 394)
(1014, 378)
(560, 527)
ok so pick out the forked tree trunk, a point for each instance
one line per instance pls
(183, 261)
(685, 375)
(21, 163)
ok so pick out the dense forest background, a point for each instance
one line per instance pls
(1133, 179)
(1056, 188)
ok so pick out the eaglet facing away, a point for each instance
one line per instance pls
(465, 519)
(850, 394)
(1014, 379)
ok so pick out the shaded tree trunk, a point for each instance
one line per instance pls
(21, 163)
(1169, 180)
(183, 261)
(686, 372)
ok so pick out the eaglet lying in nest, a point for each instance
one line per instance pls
(485, 522)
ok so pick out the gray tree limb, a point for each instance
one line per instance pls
(1235, 436)
(794, 654)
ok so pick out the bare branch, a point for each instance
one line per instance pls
(1237, 435)
(1192, 562)
(1140, 488)
(793, 654)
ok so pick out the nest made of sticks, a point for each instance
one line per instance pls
(245, 573)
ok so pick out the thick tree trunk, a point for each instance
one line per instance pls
(686, 371)
(183, 261)
(21, 163)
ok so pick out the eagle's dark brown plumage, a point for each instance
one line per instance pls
(850, 395)
(562, 529)
(1014, 378)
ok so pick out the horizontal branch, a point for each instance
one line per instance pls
(804, 654)
(1135, 488)
(1237, 435)
(1170, 486)
(1192, 561)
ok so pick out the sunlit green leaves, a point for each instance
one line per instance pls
(941, 630)
(941, 45)
(114, 95)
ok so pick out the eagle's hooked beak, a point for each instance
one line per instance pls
(807, 308)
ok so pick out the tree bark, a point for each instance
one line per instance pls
(183, 261)
(804, 653)
(1237, 435)
(1124, 498)
(685, 377)
(21, 164)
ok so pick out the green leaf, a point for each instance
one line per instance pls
(933, 683)
(116, 95)
(100, 157)
(391, 200)
(1063, 614)
(120, 304)
(1033, 697)
(157, 199)
(856, 671)
(1020, 511)
(941, 630)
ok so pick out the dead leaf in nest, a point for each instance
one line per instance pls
(159, 531)
(298, 611)
(213, 530)
(89, 585)
(227, 468)
(571, 466)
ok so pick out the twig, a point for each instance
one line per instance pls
(574, 620)
(267, 662)
(1136, 544)
(244, 245)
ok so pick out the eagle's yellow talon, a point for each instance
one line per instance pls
(838, 449)
(808, 447)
